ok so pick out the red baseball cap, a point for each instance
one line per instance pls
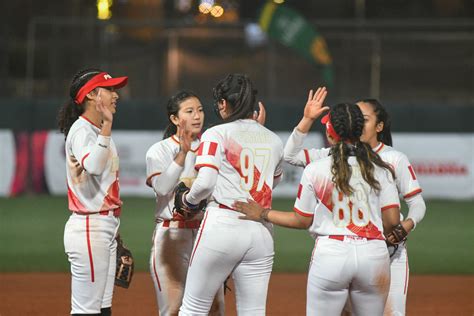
(102, 79)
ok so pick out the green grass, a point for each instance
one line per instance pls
(31, 236)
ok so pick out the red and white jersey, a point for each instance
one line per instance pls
(90, 193)
(405, 177)
(336, 214)
(248, 157)
(159, 158)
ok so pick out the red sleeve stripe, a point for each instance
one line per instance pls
(148, 180)
(412, 172)
(302, 213)
(201, 146)
(306, 155)
(390, 206)
(197, 167)
(83, 158)
(412, 193)
(212, 149)
(300, 188)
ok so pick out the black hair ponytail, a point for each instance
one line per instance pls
(71, 111)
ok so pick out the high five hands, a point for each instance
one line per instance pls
(315, 104)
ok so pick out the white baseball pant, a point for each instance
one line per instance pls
(89, 242)
(354, 267)
(228, 245)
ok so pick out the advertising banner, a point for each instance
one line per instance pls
(443, 163)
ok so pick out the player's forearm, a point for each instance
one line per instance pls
(416, 208)
(287, 219)
(305, 125)
(96, 161)
(294, 148)
(203, 185)
(165, 183)
(106, 128)
(390, 218)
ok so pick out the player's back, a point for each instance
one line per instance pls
(248, 157)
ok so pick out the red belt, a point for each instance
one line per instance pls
(115, 212)
(225, 207)
(342, 237)
(181, 224)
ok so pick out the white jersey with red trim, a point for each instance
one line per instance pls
(89, 193)
(406, 180)
(405, 177)
(248, 157)
(159, 158)
(336, 214)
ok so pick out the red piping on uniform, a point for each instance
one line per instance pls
(406, 277)
(89, 249)
(148, 180)
(154, 270)
(390, 206)
(306, 155)
(199, 238)
(380, 148)
(82, 161)
(302, 213)
(89, 121)
(197, 167)
(412, 193)
(412, 172)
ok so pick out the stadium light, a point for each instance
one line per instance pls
(278, 1)
(103, 9)
(217, 11)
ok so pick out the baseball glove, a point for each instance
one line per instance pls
(125, 265)
(398, 234)
(183, 208)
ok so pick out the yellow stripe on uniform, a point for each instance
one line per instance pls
(267, 15)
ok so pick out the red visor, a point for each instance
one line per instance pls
(326, 120)
(102, 79)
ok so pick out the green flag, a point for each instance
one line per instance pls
(291, 29)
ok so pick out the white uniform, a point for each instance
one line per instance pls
(237, 160)
(408, 187)
(173, 237)
(89, 236)
(350, 257)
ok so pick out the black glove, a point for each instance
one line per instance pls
(184, 208)
(125, 265)
(398, 233)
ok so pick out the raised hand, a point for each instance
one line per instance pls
(107, 115)
(315, 104)
(185, 136)
(261, 115)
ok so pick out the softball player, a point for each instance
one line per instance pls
(92, 168)
(377, 134)
(236, 160)
(169, 162)
(347, 200)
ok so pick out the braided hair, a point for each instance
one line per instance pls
(172, 108)
(71, 111)
(348, 122)
(385, 136)
(237, 90)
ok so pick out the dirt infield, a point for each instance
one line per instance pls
(48, 294)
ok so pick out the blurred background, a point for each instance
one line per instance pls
(415, 56)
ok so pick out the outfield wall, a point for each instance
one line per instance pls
(443, 163)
